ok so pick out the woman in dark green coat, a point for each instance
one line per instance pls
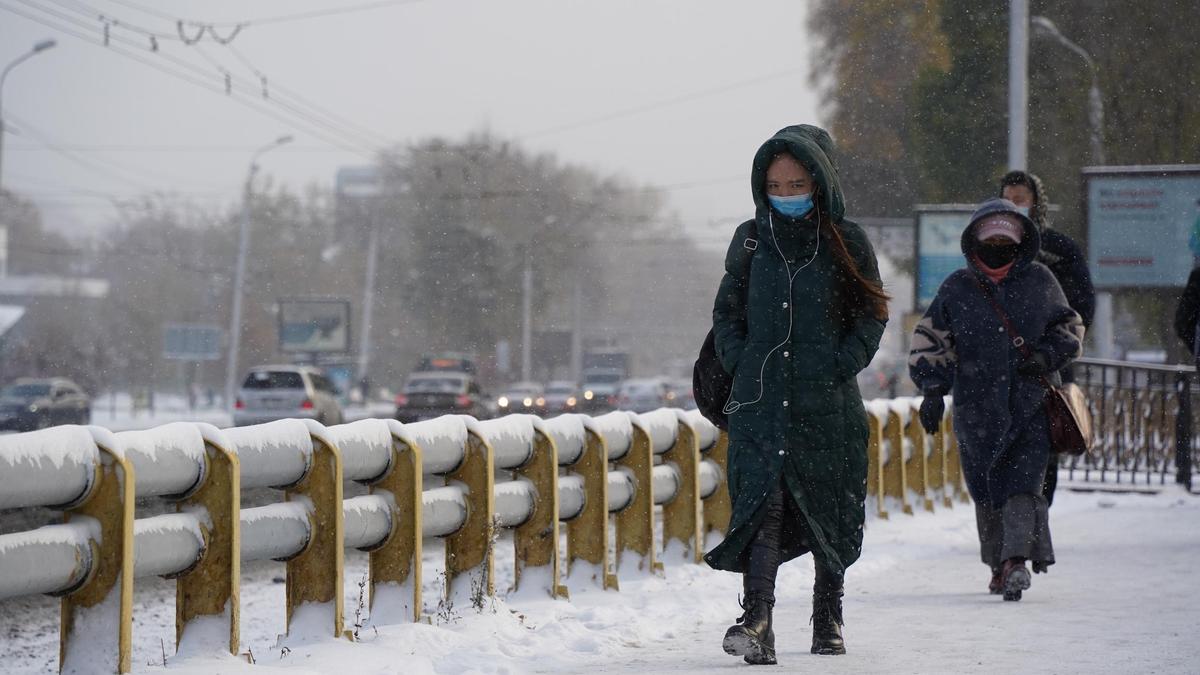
(800, 311)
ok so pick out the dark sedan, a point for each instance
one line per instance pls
(30, 404)
(433, 394)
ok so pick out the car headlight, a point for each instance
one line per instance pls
(541, 401)
(588, 395)
(571, 402)
(503, 401)
(528, 402)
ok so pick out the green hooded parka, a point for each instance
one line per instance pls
(794, 348)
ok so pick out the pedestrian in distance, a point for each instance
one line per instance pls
(799, 312)
(1187, 314)
(1064, 258)
(962, 347)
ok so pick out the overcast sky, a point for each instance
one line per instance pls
(666, 92)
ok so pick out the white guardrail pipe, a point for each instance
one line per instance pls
(52, 467)
(50, 559)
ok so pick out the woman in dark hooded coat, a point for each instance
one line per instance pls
(961, 346)
(1065, 260)
(800, 311)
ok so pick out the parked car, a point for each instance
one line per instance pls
(435, 393)
(522, 397)
(600, 389)
(29, 404)
(272, 393)
(642, 395)
(562, 397)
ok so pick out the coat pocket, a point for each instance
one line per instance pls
(748, 375)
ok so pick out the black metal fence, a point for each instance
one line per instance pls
(1142, 419)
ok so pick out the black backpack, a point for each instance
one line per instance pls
(711, 385)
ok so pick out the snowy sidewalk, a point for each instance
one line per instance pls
(1123, 598)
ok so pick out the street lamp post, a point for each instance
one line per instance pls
(235, 318)
(38, 48)
(1046, 27)
(1018, 84)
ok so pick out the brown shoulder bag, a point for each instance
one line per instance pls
(1066, 406)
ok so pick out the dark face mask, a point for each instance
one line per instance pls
(996, 257)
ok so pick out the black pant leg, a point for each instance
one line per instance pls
(763, 564)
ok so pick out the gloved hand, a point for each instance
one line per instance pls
(932, 409)
(1037, 364)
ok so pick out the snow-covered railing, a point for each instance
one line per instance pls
(455, 477)
(905, 463)
(444, 478)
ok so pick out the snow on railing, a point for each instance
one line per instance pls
(454, 477)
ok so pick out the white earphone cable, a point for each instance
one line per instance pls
(732, 406)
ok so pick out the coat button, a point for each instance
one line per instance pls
(781, 453)
(786, 354)
(785, 305)
(785, 404)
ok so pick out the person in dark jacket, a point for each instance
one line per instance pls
(1064, 259)
(1187, 313)
(794, 332)
(961, 347)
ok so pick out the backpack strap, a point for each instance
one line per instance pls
(749, 246)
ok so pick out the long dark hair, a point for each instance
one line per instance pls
(862, 295)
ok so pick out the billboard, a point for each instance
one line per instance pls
(192, 342)
(939, 247)
(1140, 222)
(314, 326)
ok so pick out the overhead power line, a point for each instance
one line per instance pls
(281, 18)
(664, 103)
(225, 78)
(297, 121)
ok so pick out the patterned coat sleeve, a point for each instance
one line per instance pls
(933, 360)
(729, 308)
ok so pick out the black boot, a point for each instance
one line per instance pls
(827, 614)
(752, 637)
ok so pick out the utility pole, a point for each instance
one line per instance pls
(527, 318)
(364, 337)
(239, 275)
(577, 330)
(1018, 84)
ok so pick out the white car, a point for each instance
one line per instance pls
(272, 393)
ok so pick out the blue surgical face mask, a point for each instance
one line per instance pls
(794, 206)
(1023, 210)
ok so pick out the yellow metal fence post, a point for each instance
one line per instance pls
(96, 632)
(315, 576)
(536, 540)
(587, 533)
(469, 551)
(895, 481)
(918, 469)
(635, 523)
(681, 515)
(211, 588)
(875, 474)
(717, 507)
(395, 566)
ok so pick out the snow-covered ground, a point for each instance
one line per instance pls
(1123, 598)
